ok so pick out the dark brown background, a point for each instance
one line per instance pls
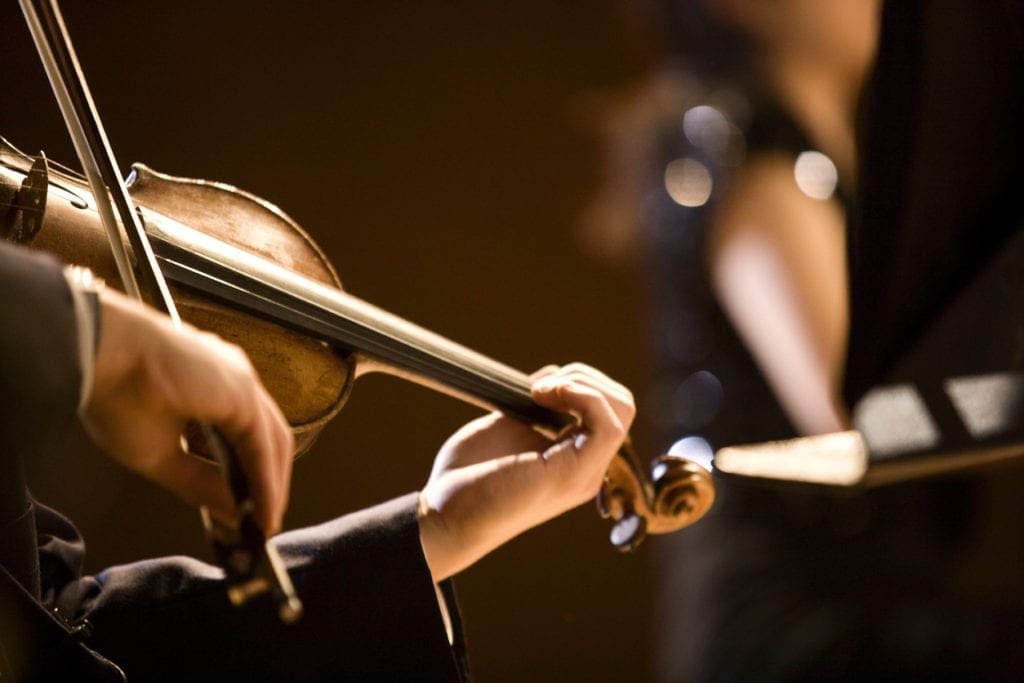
(438, 153)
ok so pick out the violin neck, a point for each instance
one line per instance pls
(193, 259)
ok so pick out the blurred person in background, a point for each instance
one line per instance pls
(733, 172)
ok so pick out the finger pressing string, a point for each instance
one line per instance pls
(596, 414)
(587, 374)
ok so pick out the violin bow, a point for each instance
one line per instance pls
(251, 563)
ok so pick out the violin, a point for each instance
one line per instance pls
(239, 267)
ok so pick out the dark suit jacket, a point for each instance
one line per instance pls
(371, 608)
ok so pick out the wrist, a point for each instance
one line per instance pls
(119, 343)
(432, 534)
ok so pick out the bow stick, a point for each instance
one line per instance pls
(251, 563)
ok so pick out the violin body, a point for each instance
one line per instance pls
(240, 268)
(308, 378)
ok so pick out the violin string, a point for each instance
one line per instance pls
(67, 170)
(62, 171)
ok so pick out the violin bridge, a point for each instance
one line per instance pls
(24, 217)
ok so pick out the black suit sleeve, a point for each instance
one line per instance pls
(371, 611)
(39, 375)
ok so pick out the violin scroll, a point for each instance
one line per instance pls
(675, 494)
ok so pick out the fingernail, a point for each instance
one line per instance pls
(579, 441)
